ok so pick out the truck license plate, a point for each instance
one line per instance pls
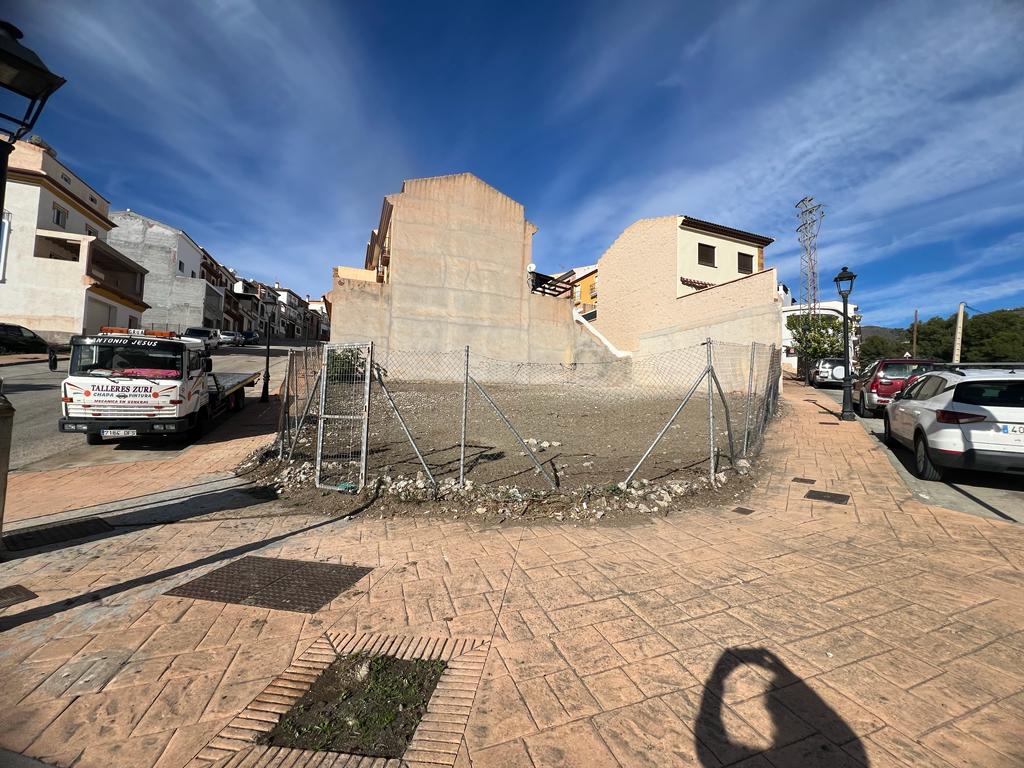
(119, 432)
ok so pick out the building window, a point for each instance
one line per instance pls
(705, 255)
(746, 264)
(181, 266)
(60, 216)
(193, 273)
(92, 199)
(66, 179)
(90, 231)
(593, 289)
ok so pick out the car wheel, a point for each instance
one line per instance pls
(861, 410)
(93, 438)
(923, 466)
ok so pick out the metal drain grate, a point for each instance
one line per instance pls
(267, 582)
(13, 595)
(829, 423)
(743, 511)
(55, 533)
(834, 498)
(805, 480)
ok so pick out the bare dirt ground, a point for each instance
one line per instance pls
(587, 440)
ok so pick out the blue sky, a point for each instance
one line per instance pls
(271, 131)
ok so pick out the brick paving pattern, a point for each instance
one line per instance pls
(882, 631)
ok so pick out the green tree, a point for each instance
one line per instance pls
(935, 338)
(876, 347)
(816, 336)
(994, 337)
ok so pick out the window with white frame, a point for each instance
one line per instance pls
(60, 216)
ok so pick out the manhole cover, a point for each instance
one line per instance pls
(834, 498)
(55, 533)
(13, 595)
(267, 582)
(805, 480)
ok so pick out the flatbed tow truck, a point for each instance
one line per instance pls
(124, 382)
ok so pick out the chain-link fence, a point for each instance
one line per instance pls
(463, 416)
(298, 392)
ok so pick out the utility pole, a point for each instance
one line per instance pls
(958, 338)
(913, 345)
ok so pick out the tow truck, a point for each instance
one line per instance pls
(124, 382)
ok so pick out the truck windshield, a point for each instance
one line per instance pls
(153, 360)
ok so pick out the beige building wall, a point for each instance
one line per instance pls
(727, 253)
(741, 311)
(644, 307)
(636, 281)
(459, 249)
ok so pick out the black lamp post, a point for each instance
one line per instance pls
(268, 303)
(22, 73)
(844, 284)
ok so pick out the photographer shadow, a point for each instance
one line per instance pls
(805, 734)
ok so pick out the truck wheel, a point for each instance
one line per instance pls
(239, 401)
(201, 425)
(93, 438)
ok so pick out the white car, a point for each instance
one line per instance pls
(961, 419)
(231, 338)
(829, 370)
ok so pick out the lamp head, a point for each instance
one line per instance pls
(844, 282)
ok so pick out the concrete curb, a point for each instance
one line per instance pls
(14, 760)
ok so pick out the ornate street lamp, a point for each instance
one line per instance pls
(844, 284)
(268, 304)
(22, 73)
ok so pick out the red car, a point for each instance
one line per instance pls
(874, 388)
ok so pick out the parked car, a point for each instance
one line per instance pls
(209, 336)
(829, 370)
(231, 338)
(964, 419)
(874, 388)
(251, 337)
(17, 339)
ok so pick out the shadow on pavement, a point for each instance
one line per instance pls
(792, 744)
(52, 609)
(175, 511)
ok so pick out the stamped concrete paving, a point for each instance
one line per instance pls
(882, 632)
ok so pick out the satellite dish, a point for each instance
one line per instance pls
(531, 267)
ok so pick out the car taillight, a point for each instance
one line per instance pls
(67, 400)
(874, 384)
(957, 417)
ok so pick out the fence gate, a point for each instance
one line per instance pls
(343, 422)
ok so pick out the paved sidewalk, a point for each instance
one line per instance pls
(803, 633)
(44, 493)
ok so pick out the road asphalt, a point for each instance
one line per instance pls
(34, 391)
(999, 496)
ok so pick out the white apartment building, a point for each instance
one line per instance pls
(58, 274)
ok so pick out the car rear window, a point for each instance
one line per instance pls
(1001, 394)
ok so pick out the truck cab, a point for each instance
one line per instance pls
(125, 382)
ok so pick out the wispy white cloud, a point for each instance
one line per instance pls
(911, 108)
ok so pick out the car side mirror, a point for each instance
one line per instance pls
(52, 358)
(208, 365)
(897, 396)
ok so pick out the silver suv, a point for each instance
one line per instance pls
(828, 370)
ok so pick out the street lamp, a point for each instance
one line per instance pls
(268, 302)
(844, 284)
(22, 73)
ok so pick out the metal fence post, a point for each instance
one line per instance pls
(465, 408)
(6, 425)
(750, 392)
(711, 416)
(366, 416)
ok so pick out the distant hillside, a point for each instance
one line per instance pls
(892, 334)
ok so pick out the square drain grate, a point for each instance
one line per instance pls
(266, 582)
(55, 533)
(13, 595)
(834, 498)
(805, 480)
(743, 511)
